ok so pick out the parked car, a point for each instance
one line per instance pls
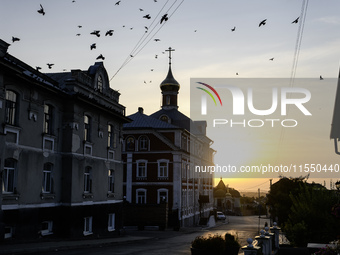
(220, 216)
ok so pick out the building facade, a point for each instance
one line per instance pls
(160, 152)
(60, 152)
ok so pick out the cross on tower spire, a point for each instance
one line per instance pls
(170, 49)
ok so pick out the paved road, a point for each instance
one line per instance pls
(172, 242)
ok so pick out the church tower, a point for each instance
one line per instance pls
(170, 88)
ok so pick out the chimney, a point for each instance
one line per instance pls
(140, 110)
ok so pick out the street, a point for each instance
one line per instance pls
(173, 242)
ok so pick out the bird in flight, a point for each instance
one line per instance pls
(141, 9)
(80, 26)
(77, 34)
(109, 32)
(14, 39)
(164, 18)
(41, 10)
(95, 32)
(100, 57)
(93, 46)
(233, 29)
(296, 20)
(271, 59)
(263, 22)
(321, 78)
(117, 3)
(37, 68)
(157, 40)
(49, 65)
(147, 16)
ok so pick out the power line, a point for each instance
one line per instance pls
(140, 44)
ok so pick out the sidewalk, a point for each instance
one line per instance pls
(131, 236)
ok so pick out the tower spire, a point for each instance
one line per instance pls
(169, 88)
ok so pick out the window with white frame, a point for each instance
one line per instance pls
(141, 196)
(163, 166)
(87, 226)
(88, 180)
(141, 169)
(143, 143)
(111, 222)
(46, 228)
(162, 196)
(111, 181)
(8, 176)
(47, 178)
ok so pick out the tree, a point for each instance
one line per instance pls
(279, 197)
(310, 218)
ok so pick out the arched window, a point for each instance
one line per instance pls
(141, 196)
(11, 107)
(130, 143)
(165, 118)
(141, 169)
(163, 168)
(143, 143)
(162, 196)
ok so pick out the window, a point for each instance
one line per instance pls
(46, 228)
(87, 226)
(112, 137)
(87, 128)
(111, 223)
(8, 232)
(48, 119)
(100, 83)
(111, 179)
(143, 143)
(130, 144)
(11, 107)
(163, 168)
(162, 196)
(88, 180)
(164, 118)
(141, 196)
(8, 178)
(141, 168)
(167, 100)
(47, 178)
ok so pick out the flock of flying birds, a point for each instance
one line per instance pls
(110, 32)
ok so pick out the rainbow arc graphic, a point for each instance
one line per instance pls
(209, 93)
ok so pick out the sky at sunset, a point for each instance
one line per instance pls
(205, 48)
